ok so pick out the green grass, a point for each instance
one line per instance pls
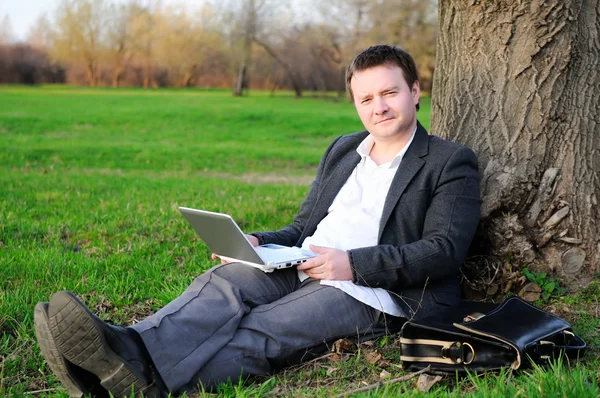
(91, 180)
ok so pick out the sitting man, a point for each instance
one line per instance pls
(391, 214)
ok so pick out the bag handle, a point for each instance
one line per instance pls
(566, 344)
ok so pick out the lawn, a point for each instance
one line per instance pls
(91, 180)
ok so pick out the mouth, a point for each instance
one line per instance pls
(384, 120)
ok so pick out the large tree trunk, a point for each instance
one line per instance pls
(519, 83)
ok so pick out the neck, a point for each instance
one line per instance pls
(384, 151)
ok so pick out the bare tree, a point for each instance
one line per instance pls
(120, 38)
(40, 34)
(309, 59)
(145, 35)
(410, 24)
(248, 26)
(518, 82)
(186, 42)
(6, 31)
(290, 72)
(142, 42)
(357, 24)
(80, 35)
(351, 22)
(249, 21)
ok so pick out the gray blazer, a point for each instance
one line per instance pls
(429, 218)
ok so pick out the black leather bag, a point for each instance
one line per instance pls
(479, 336)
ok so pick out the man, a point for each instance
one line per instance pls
(391, 213)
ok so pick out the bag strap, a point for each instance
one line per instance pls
(436, 351)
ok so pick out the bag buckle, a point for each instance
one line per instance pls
(544, 342)
(475, 316)
(458, 354)
(567, 336)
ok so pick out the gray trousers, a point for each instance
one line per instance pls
(235, 321)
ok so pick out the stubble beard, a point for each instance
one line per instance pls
(402, 130)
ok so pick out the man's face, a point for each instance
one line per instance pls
(385, 103)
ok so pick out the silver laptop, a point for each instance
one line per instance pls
(225, 239)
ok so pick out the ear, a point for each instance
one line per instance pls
(416, 92)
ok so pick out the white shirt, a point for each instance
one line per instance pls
(353, 218)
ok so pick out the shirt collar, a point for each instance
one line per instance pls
(364, 148)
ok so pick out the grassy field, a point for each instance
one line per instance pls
(91, 180)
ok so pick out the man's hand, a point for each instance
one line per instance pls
(331, 264)
(253, 241)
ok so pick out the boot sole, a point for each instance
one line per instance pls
(81, 341)
(55, 360)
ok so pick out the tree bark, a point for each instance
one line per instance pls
(518, 82)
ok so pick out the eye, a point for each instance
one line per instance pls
(392, 92)
(365, 101)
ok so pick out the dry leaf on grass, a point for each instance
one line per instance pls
(531, 292)
(384, 375)
(342, 346)
(425, 382)
(334, 357)
(373, 357)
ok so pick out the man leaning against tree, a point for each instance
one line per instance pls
(391, 214)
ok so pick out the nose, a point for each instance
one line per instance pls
(380, 106)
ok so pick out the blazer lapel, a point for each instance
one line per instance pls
(408, 168)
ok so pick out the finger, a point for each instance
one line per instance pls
(311, 263)
(316, 273)
(319, 249)
(308, 264)
(253, 240)
(213, 256)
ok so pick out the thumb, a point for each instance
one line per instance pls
(318, 249)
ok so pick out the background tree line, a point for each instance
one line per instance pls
(241, 44)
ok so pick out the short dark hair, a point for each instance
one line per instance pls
(383, 55)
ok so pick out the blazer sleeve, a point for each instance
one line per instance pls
(290, 234)
(449, 226)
